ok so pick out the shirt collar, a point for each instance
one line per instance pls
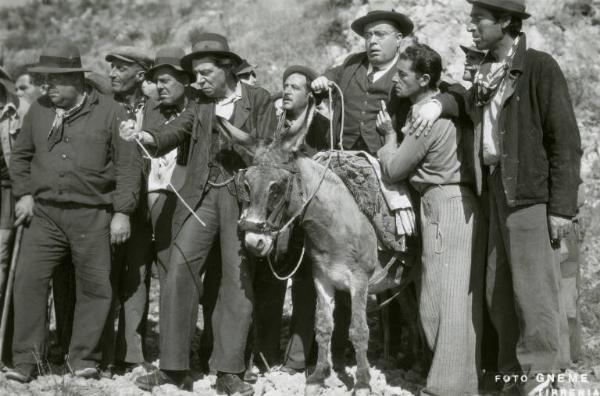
(234, 97)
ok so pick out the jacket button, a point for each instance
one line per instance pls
(502, 132)
(64, 156)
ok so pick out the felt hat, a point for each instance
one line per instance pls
(209, 44)
(515, 7)
(472, 49)
(61, 57)
(401, 21)
(244, 68)
(170, 57)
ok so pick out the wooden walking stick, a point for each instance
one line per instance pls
(9, 287)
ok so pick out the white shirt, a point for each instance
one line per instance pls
(491, 140)
(383, 69)
(224, 107)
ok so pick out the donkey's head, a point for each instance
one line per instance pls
(268, 187)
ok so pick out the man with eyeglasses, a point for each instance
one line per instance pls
(366, 78)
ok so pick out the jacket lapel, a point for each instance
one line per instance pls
(241, 109)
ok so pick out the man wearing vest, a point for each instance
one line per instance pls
(366, 78)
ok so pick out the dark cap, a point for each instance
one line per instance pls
(170, 57)
(61, 57)
(309, 73)
(209, 44)
(130, 54)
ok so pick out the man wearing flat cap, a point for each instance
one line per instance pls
(209, 191)
(270, 292)
(125, 349)
(366, 78)
(528, 163)
(76, 184)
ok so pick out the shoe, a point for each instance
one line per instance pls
(290, 370)
(232, 384)
(22, 373)
(250, 376)
(87, 373)
(180, 379)
(122, 368)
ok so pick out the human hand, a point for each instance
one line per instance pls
(424, 119)
(24, 210)
(128, 131)
(383, 123)
(120, 228)
(559, 227)
(320, 84)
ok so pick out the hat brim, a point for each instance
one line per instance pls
(56, 70)
(522, 15)
(150, 73)
(401, 21)
(186, 61)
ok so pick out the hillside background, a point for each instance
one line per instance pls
(276, 33)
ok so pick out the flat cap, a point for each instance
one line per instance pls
(130, 54)
(309, 73)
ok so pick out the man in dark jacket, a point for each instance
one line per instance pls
(131, 261)
(76, 184)
(527, 155)
(366, 78)
(209, 192)
(269, 291)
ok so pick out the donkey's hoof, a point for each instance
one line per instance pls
(312, 389)
(362, 390)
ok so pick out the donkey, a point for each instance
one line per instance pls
(339, 238)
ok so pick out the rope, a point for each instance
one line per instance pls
(305, 205)
(284, 278)
(173, 188)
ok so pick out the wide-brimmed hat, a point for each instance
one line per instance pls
(307, 72)
(209, 44)
(471, 49)
(61, 57)
(401, 21)
(130, 54)
(244, 68)
(170, 57)
(515, 7)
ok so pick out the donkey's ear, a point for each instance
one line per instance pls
(237, 136)
(293, 138)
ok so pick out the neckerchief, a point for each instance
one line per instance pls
(488, 79)
(61, 115)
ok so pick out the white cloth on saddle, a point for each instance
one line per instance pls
(396, 196)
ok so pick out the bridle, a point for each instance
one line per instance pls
(272, 224)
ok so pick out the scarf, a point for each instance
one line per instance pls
(61, 115)
(488, 78)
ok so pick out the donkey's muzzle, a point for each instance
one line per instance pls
(259, 245)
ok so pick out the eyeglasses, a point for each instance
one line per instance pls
(377, 34)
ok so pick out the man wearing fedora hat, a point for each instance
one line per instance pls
(76, 184)
(125, 349)
(212, 161)
(527, 159)
(366, 78)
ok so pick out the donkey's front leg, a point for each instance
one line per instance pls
(323, 331)
(359, 335)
